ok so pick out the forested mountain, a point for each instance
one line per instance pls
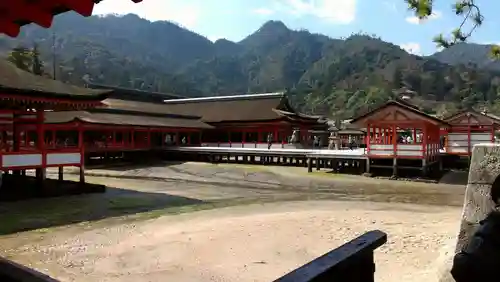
(468, 54)
(323, 75)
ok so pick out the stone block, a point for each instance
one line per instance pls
(485, 164)
(484, 169)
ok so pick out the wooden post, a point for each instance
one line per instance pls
(243, 138)
(60, 175)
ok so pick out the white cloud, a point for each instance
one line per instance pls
(415, 20)
(334, 11)
(412, 47)
(264, 11)
(185, 14)
(391, 6)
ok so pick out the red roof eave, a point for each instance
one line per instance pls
(17, 13)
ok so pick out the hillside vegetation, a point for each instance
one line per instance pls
(323, 75)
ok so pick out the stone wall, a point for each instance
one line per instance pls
(482, 187)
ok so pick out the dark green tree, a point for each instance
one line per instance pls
(37, 64)
(21, 57)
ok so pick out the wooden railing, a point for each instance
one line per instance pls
(353, 262)
(14, 272)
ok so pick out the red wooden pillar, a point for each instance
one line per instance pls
(40, 124)
(16, 134)
(114, 138)
(492, 133)
(41, 134)
(425, 139)
(368, 134)
(26, 139)
(132, 137)
(81, 146)
(468, 136)
(395, 141)
(54, 139)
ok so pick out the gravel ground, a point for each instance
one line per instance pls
(252, 242)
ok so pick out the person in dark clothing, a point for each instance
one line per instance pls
(352, 144)
(316, 142)
(269, 141)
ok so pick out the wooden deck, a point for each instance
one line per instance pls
(356, 160)
(306, 153)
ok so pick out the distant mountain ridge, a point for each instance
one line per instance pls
(322, 75)
(468, 54)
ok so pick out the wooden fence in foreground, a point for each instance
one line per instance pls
(353, 262)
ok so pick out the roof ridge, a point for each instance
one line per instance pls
(120, 88)
(227, 98)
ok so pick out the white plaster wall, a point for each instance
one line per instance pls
(410, 153)
(22, 160)
(381, 147)
(381, 153)
(484, 137)
(457, 137)
(63, 158)
(409, 147)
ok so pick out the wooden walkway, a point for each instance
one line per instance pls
(355, 161)
(306, 153)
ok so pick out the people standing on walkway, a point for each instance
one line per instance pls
(316, 142)
(269, 141)
(352, 143)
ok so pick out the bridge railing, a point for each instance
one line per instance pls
(353, 262)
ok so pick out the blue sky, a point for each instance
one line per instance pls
(234, 19)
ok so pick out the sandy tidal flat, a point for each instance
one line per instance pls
(245, 243)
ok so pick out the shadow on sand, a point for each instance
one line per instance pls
(455, 177)
(127, 165)
(50, 212)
